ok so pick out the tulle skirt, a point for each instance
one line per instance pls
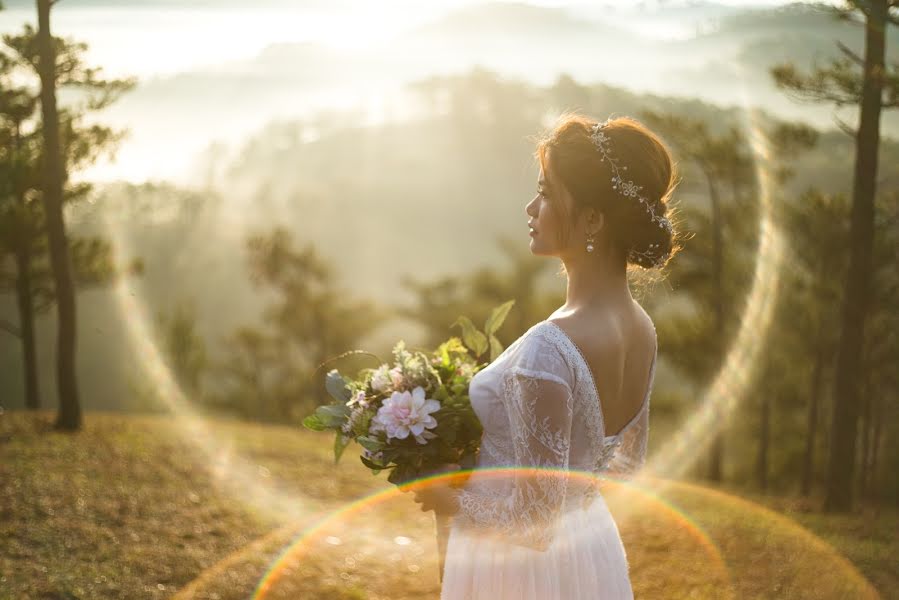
(586, 559)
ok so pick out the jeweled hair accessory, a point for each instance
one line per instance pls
(628, 188)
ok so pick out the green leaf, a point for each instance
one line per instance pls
(497, 316)
(370, 443)
(371, 464)
(314, 423)
(473, 338)
(495, 348)
(332, 415)
(336, 386)
(340, 445)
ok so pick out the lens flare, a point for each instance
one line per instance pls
(675, 457)
(239, 476)
(379, 526)
(681, 539)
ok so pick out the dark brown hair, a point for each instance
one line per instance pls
(576, 163)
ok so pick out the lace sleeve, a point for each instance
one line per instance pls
(540, 412)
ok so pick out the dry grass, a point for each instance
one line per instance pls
(132, 507)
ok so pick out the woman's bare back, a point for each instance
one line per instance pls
(618, 345)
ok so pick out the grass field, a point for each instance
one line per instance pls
(163, 507)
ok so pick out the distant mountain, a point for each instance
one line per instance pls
(726, 61)
(516, 18)
(816, 28)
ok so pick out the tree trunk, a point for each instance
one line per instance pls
(866, 428)
(875, 446)
(858, 280)
(764, 440)
(26, 321)
(69, 417)
(808, 466)
(717, 451)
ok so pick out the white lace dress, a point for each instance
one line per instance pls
(538, 534)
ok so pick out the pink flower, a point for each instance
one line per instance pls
(404, 413)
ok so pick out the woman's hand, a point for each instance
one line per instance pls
(439, 495)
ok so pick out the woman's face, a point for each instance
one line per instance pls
(548, 213)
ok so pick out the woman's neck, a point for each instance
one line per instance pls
(595, 281)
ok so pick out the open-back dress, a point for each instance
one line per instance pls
(542, 530)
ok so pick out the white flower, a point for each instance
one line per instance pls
(465, 370)
(380, 381)
(396, 377)
(347, 426)
(358, 398)
(378, 456)
(353, 418)
(404, 413)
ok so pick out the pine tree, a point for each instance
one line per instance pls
(873, 89)
(38, 154)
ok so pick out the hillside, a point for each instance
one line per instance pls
(160, 507)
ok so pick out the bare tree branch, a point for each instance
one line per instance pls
(41, 307)
(839, 83)
(842, 13)
(845, 127)
(891, 86)
(862, 5)
(852, 55)
(10, 328)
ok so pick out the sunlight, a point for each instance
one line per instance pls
(688, 444)
(244, 480)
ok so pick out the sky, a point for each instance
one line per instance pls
(159, 37)
(174, 48)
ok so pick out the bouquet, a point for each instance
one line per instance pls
(413, 415)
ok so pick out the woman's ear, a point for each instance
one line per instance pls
(595, 221)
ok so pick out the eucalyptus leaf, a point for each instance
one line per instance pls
(370, 443)
(332, 415)
(314, 423)
(340, 444)
(336, 386)
(371, 464)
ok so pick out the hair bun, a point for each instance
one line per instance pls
(625, 170)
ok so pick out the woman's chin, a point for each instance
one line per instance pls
(536, 248)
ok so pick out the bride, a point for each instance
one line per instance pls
(571, 395)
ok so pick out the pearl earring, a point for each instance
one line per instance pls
(590, 240)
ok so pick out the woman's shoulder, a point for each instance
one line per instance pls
(542, 350)
(606, 330)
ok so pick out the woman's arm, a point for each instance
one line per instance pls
(540, 413)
